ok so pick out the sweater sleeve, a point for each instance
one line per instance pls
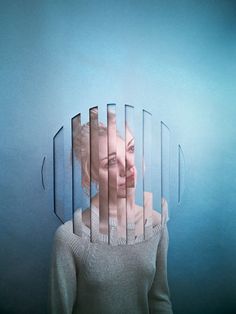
(62, 292)
(159, 295)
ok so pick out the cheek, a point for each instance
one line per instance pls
(113, 177)
(95, 168)
(103, 177)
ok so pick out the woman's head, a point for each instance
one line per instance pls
(112, 157)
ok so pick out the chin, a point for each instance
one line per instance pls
(121, 194)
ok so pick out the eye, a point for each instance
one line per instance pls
(131, 149)
(112, 161)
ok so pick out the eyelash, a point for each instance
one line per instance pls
(131, 149)
(113, 160)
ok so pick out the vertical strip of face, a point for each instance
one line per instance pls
(165, 166)
(103, 172)
(83, 152)
(121, 174)
(76, 176)
(112, 166)
(147, 173)
(130, 174)
(94, 169)
(58, 174)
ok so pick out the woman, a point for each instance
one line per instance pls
(95, 277)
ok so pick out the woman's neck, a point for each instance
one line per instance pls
(119, 207)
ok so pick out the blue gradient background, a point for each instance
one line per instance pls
(174, 58)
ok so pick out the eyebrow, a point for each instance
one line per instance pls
(130, 141)
(111, 154)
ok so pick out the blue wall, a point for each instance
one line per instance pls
(174, 58)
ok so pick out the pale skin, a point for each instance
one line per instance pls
(121, 186)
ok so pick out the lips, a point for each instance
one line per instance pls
(130, 178)
(129, 182)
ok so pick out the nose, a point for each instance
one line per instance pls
(121, 167)
(129, 166)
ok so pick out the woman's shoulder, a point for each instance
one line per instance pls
(150, 211)
(86, 217)
(156, 216)
(64, 229)
(64, 234)
(67, 243)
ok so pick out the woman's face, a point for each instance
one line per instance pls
(113, 168)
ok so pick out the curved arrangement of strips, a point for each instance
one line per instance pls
(113, 182)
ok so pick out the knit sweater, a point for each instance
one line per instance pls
(89, 278)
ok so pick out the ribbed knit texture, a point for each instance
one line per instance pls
(81, 229)
(89, 278)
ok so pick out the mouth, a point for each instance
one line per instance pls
(129, 182)
(130, 179)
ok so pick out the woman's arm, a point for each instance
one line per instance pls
(62, 292)
(159, 295)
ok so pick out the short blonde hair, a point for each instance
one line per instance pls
(81, 144)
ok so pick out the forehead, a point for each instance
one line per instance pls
(117, 142)
(103, 136)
